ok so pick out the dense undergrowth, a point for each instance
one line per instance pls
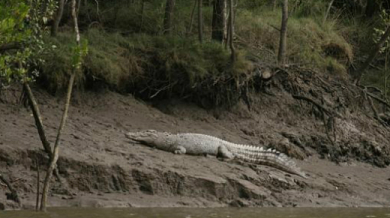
(150, 66)
(128, 53)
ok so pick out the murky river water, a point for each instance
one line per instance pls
(204, 213)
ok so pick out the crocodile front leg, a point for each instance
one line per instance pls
(179, 150)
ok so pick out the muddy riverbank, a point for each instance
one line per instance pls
(101, 168)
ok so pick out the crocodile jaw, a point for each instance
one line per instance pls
(147, 137)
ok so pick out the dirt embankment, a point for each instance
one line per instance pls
(341, 146)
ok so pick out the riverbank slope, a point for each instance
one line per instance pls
(99, 167)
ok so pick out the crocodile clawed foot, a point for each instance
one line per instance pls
(179, 150)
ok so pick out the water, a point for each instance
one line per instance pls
(203, 213)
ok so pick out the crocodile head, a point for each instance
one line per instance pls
(151, 138)
(146, 137)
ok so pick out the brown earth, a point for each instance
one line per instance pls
(101, 168)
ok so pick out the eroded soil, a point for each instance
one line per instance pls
(99, 167)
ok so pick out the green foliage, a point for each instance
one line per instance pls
(310, 42)
(384, 22)
(79, 52)
(126, 17)
(13, 29)
(21, 25)
(129, 55)
(145, 64)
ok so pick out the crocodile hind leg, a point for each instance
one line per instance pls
(179, 150)
(224, 153)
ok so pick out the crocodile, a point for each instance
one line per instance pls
(201, 144)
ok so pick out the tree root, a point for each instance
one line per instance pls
(326, 110)
(369, 96)
(13, 195)
(329, 123)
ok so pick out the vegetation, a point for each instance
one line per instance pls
(205, 52)
(21, 30)
(127, 42)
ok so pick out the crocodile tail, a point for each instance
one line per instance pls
(270, 158)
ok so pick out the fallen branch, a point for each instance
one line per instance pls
(9, 46)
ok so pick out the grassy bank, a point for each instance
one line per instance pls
(128, 53)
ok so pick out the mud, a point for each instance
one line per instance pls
(99, 167)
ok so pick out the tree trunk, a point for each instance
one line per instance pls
(78, 7)
(38, 119)
(142, 15)
(283, 35)
(170, 5)
(218, 23)
(231, 32)
(13, 195)
(192, 17)
(58, 17)
(200, 21)
(274, 2)
(38, 185)
(54, 159)
(373, 54)
(39, 124)
(371, 8)
(9, 46)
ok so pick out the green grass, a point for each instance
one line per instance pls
(148, 66)
(128, 55)
(310, 42)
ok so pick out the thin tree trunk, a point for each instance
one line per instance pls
(58, 17)
(200, 21)
(227, 39)
(78, 7)
(38, 120)
(170, 5)
(38, 186)
(372, 56)
(328, 10)
(53, 162)
(39, 124)
(218, 23)
(283, 35)
(192, 17)
(274, 2)
(142, 15)
(372, 7)
(231, 32)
